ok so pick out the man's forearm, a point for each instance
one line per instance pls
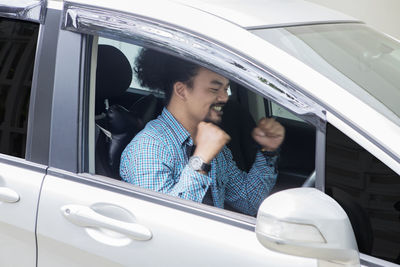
(192, 185)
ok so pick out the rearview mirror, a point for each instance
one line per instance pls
(308, 223)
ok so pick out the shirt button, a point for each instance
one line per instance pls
(204, 186)
(180, 194)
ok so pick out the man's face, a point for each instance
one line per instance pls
(207, 97)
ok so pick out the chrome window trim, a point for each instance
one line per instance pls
(112, 185)
(30, 10)
(271, 26)
(122, 26)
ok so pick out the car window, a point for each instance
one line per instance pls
(124, 107)
(279, 111)
(131, 51)
(297, 155)
(17, 53)
(368, 191)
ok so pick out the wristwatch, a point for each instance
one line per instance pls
(197, 164)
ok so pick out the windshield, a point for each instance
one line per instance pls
(361, 60)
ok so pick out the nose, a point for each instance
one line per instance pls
(223, 96)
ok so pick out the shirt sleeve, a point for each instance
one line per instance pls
(246, 191)
(146, 162)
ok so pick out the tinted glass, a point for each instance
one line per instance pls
(368, 191)
(17, 53)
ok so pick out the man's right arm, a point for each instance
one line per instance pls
(148, 163)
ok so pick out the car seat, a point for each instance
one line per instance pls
(116, 125)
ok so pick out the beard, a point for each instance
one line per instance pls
(209, 117)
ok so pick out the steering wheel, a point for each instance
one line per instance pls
(310, 181)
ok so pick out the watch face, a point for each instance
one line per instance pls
(195, 162)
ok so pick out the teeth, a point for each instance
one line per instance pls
(217, 108)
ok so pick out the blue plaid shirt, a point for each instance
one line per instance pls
(156, 159)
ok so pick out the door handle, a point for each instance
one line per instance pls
(86, 217)
(8, 195)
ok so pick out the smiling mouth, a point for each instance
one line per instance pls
(217, 108)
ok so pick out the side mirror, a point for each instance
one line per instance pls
(308, 223)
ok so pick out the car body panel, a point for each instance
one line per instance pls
(18, 216)
(178, 238)
(270, 13)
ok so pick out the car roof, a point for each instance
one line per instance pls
(247, 14)
(268, 13)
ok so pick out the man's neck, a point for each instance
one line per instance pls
(182, 118)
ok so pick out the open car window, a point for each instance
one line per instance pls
(141, 105)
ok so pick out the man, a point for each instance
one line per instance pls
(183, 152)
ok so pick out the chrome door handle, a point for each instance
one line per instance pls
(86, 217)
(8, 195)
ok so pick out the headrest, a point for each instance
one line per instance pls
(146, 108)
(113, 74)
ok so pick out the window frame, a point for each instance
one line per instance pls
(88, 149)
(19, 13)
(40, 108)
(193, 47)
(200, 49)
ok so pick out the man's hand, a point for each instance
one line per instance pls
(210, 139)
(269, 134)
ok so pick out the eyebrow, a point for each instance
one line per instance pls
(216, 82)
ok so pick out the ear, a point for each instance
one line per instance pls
(180, 90)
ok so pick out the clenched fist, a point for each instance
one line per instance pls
(210, 139)
(269, 134)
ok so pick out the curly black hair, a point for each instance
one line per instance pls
(159, 71)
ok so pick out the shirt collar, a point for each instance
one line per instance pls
(180, 132)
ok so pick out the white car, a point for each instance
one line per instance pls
(332, 81)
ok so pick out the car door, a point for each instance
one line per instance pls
(86, 219)
(23, 163)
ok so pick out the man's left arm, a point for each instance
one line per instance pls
(246, 191)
